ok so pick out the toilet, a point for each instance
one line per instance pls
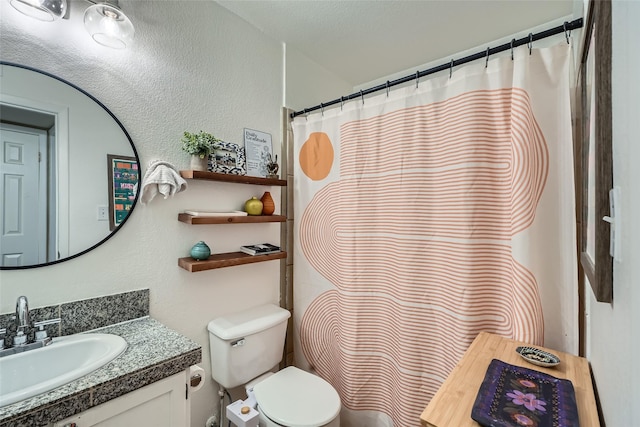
(246, 346)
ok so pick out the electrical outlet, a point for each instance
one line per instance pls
(103, 213)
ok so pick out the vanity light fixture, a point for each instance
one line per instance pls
(103, 20)
(108, 25)
(44, 10)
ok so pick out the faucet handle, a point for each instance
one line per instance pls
(41, 333)
(42, 323)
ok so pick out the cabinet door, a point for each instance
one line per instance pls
(162, 403)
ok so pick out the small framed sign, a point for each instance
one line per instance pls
(258, 149)
(227, 157)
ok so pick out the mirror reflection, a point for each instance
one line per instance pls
(68, 168)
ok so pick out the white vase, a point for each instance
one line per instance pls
(197, 163)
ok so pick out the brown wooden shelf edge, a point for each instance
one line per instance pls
(248, 219)
(228, 259)
(223, 177)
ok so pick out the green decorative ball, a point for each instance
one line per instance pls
(200, 251)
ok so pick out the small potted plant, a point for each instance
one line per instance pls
(199, 145)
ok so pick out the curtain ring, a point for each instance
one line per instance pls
(530, 44)
(387, 88)
(486, 62)
(417, 78)
(512, 40)
(567, 33)
(362, 96)
(451, 69)
(322, 109)
(341, 102)
(305, 115)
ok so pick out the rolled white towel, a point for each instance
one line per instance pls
(161, 177)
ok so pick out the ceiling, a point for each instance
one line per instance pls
(361, 41)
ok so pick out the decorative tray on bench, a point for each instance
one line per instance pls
(516, 396)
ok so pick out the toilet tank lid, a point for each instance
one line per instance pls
(247, 322)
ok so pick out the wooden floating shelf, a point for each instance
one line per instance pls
(224, 177)
(247, 219)
(228, 259)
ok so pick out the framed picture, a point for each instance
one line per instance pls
(594, 165)
(123, 185)
(259, 151)
(227, 157)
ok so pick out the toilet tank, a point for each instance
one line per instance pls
(246, 344)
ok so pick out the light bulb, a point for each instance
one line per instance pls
(44, 10)
(108, 25)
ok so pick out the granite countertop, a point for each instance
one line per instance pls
(154, 352)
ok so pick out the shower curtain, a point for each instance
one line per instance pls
(427, 214)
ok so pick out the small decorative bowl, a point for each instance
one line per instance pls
(538, 357)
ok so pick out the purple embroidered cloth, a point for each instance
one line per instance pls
(512, 396)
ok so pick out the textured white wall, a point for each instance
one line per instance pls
(614, 338)
(308, 84)
(193, 66)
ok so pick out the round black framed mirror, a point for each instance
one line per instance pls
(69, 169)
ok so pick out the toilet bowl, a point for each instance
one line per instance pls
(295, 398)
(246, 346)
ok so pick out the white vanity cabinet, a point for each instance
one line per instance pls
(164, 403)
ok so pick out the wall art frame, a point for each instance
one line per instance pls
(123, 179)
(594, 159)
(227, 157)
(259, 150)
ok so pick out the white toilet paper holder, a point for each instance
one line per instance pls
(195, 380)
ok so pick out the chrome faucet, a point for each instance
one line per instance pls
(23, 321)
(22, 313)
(23, 326)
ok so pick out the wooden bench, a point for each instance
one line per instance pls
(451, 406)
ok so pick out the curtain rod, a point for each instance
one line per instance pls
(565, 28)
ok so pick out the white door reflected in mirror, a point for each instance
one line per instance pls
(23, 197)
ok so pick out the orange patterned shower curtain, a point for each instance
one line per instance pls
(426, 216)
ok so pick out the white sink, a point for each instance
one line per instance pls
(24, 375)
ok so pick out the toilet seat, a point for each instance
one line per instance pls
(295, 398)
